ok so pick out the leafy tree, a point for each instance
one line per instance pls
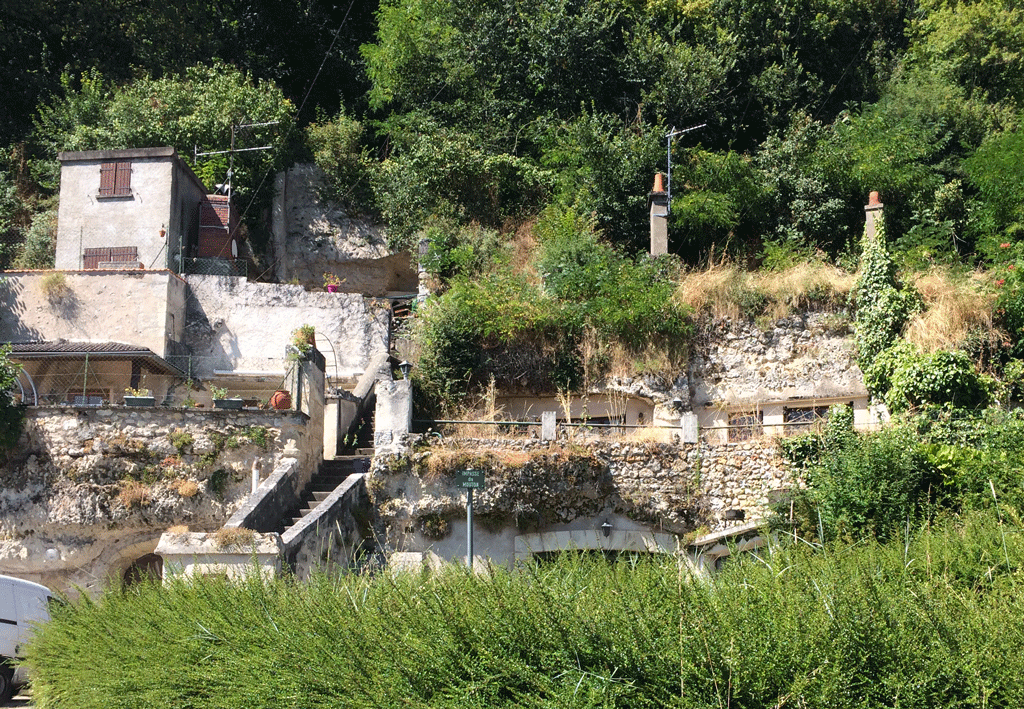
(604, 166)
(448, 174)
(720, 205)
(997, 172)
(194, 109)
(11, 415)
(979, 44)
(338, 151)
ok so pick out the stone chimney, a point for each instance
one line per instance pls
(872, 216)
(658, 201)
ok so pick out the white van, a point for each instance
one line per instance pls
(21, 604)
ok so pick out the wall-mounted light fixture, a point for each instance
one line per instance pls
(606, 528)
(406, 367)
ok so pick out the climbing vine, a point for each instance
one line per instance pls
(883, 305)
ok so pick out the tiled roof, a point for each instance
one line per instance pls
(64, 349)
(67, 347)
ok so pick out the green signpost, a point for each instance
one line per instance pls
(469, 480)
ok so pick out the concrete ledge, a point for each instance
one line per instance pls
(273, 499)
(199, 554)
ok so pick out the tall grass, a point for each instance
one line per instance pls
(955, 309)
(725, 290)
(930, 621)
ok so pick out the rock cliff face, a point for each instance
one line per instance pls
(314, 234)
(807, 356)
(90, 491)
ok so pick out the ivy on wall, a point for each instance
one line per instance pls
(883, 304)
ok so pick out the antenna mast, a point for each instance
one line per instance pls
(668, 138)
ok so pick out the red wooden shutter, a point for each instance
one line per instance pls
(92, 258)
(123, 179)
(107, 171)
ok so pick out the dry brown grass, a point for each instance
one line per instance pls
(724, 290)
(187, 488)
(178, 529)
(522, 250)
(955, 308)
(133, 494)
(447, 461)
(240, 537)
(485, 408)
(648, 434)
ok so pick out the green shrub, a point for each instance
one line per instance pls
(867, 484)
(938, 378)
(40, 247)
(11, 415)
(337, 151)
(454, 250)
(933, 618)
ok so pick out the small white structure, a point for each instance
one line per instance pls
(126, 209)
(198, 554)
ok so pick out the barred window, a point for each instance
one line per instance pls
(800, 415)
(744, 425)
(116, 179)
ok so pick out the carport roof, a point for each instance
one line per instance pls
(64, 349)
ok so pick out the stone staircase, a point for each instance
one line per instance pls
(328, 477)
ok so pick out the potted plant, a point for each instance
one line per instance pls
(303, 340)
(221, 400)
(138, 397)
(332, 283)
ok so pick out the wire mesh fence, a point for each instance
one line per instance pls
(104, 379)
(216, 267)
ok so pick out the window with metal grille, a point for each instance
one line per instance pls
(116, 179)
(798, 416)
(744, 425)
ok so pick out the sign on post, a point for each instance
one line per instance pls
(469, 480)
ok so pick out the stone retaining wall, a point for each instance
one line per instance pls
(91, 490)
(535, 486)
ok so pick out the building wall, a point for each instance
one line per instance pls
(150, 218)
(538, 487)
(183, 228)
(239, 326)
(134, 307)
(314, 234)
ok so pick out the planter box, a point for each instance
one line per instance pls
(228, 404)
(140, 401)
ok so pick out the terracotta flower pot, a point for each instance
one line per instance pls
(281, 400)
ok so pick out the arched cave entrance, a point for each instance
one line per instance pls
(147, 567)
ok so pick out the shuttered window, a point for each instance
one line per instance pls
(116, 179)
(93, 258)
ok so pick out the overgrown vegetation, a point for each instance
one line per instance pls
(551, 323)
(931, 618)
(882, 485)
(11, 414)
